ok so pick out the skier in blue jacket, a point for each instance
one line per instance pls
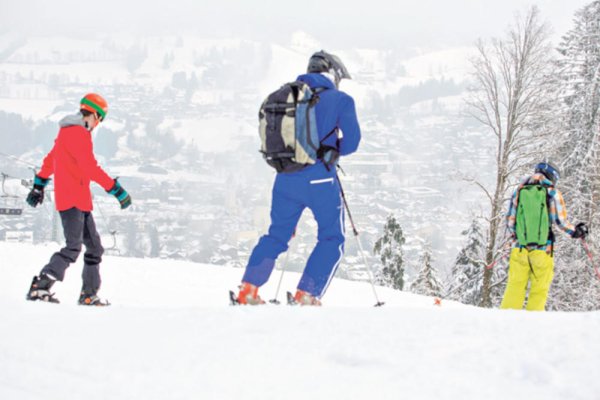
(315, 187)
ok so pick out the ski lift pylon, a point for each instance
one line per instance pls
(114, 249)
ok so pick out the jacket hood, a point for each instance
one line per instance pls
(72, 120)
(316, 80)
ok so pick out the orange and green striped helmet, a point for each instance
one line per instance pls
(94, 103)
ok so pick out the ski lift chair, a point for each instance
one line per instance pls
(9, 204)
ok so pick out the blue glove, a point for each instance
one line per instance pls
(36, 195)
(121, 195)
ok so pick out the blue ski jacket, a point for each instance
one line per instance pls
(335, 109)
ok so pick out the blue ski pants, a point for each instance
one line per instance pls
(318, 189)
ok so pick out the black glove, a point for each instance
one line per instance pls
(36, 195)
(581, 231)
(121, 195)
(329, 155)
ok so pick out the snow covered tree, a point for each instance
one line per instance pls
(575, 286)
(427, 282)
(389, 247)
(510, 98)
(468, 267)
(579, 74)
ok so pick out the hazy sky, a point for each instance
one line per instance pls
(340, 24)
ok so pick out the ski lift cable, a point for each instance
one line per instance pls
(5, 175)
(35, 167)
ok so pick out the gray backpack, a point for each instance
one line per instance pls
(288, 128)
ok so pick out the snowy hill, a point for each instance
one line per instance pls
(170, 334)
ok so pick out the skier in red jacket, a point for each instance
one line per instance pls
(74, 166)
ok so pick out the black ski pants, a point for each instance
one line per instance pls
(79, 229)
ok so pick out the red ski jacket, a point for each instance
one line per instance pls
(74, 166)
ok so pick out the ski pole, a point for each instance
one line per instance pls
(362, 252)
(504, 257)
(590, 256)
(283, 268)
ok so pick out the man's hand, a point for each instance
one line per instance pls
(581, 231)
(36, 195)
(121, 195)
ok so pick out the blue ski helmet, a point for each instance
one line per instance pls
(549, 171)
(323, 61)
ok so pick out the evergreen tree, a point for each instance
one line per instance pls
(579, 79)
(427, 282)
(389, 247)
(468, 267)
(575, 287)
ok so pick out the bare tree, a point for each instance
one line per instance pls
(510, 98)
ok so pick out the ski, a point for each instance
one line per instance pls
(233, 301)
(93, 301)
(290, 299)
(49, 298)
(99, 304)
(102, 303)
(41, 295)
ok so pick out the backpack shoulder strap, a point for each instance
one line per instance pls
(549, 198)
(334, 130)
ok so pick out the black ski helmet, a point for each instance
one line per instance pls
(549, 171)
(323, 61)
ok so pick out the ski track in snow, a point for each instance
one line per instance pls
(171, 334)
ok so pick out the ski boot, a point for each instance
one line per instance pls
(90, 299)
(249, 295)
(40, 289)
(305, 299)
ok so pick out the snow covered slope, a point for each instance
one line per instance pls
(171, 334)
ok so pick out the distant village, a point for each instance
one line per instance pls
(212, 206)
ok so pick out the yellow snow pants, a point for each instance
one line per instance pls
(535, 266)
